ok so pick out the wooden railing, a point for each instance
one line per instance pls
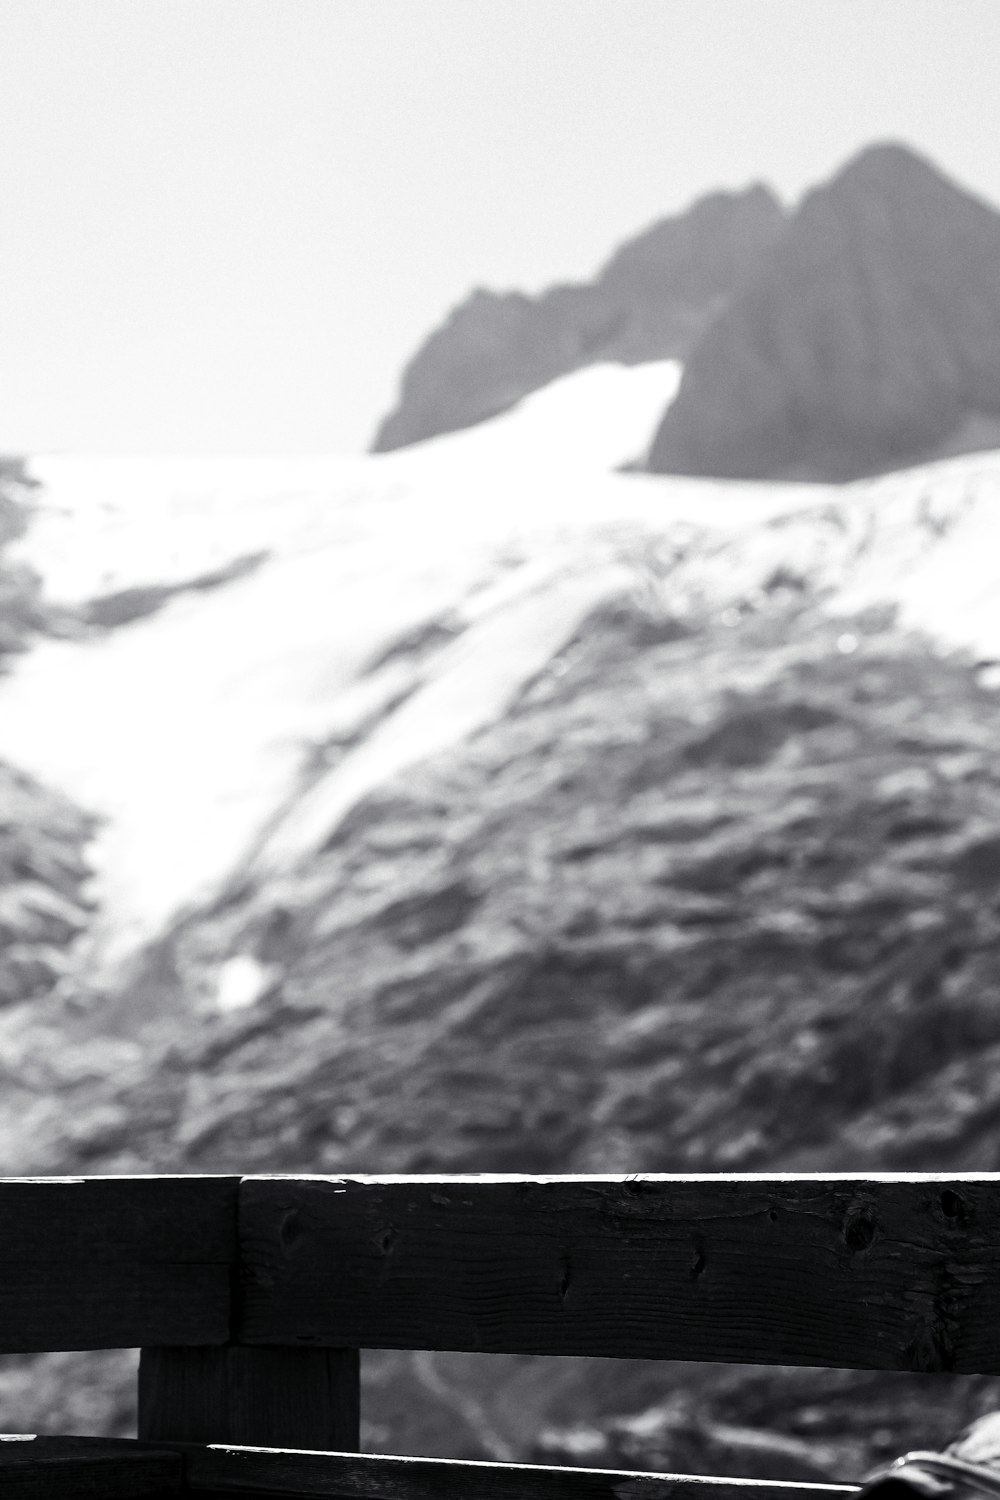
(251, 1297)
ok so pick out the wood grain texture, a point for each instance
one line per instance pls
(289, 1398)
(68, 1468)
(106, 1263)
(887, 1273)
(227, 1471)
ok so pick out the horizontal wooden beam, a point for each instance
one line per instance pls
(68, 1468)
(115, 1262)
(888, 1273)
(353, 1476)
(877, 1273)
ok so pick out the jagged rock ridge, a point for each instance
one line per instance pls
(868, 339)
(650, 302)
(858, 335)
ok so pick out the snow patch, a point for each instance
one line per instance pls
(241, 981)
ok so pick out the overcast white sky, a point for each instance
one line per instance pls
(225, 224)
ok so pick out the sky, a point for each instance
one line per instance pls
(225, 225)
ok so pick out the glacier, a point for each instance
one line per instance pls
(403, 602)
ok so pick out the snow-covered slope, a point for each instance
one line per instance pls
(186, 731)
(405, 601)
(110, 522)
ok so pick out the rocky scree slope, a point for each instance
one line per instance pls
(20, 590)
(868, 339)
(718, 892)
(651, 301)
(42, 836)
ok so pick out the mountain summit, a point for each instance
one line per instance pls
(651, 301)
(870, 339)
(860, 334)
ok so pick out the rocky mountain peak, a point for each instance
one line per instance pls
(869, 340)
(698, 255)
(890, 166)
(650, 302)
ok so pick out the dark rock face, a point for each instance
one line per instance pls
(651, 301)
(698, 904)
(869, 338)
(109, 611)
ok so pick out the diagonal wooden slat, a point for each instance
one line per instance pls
(895, 1273)
(218, 1470)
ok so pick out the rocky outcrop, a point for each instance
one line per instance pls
(139, 601)
(651, 301)
(20, 589)
(42, 878)
(870, 337)
(42, 836)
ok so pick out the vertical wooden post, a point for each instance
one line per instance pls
(262, 1397)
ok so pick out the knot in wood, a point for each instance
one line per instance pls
(860, 1229)
(291, 1229)
(955, 1208)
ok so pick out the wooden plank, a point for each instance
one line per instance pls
(351, 1476)
(886, 1273)
(47, 1468)
(115, 1262)
(289, 1398)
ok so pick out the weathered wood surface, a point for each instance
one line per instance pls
(351, 1476)
(287, 1398)
(887, 1273)
(105, 1263)
(66, 1468)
